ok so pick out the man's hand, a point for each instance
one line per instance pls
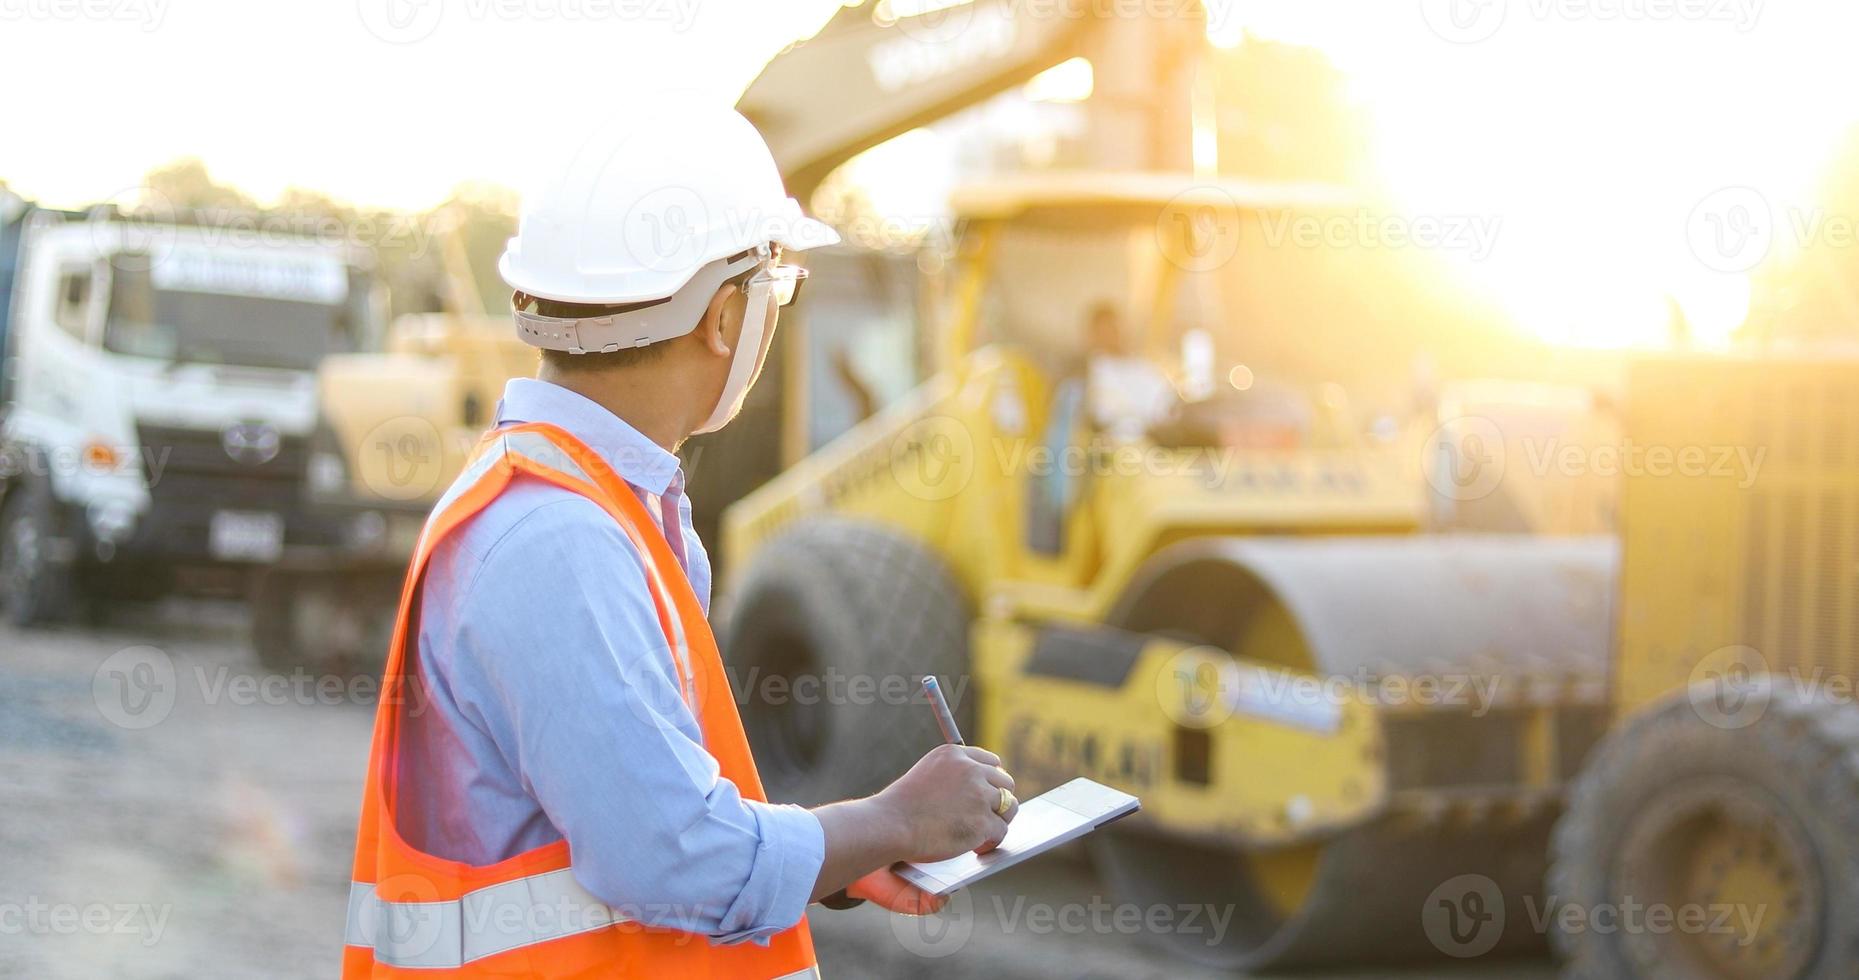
(887, 889)
(946, 803)
(942, 807)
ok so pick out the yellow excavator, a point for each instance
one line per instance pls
(1390, 686)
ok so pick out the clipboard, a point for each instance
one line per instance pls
(1057, 817)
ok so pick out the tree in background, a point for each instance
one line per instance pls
(408, 247)
(1283, 112)
(1811, 295)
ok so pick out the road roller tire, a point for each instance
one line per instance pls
(833, 624)
(1738, 817)
(1363, 896)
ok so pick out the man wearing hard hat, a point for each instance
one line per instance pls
(559, 783)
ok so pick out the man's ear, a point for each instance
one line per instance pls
(718, 317)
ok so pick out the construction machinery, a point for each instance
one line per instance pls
(1727, 790)
(1217, 614)
(396, 425)
(1352, 662)
(158, 401)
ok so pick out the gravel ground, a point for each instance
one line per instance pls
(169, 809)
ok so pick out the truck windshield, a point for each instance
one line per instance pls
(202, 327)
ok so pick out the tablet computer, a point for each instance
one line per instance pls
(1056, 817)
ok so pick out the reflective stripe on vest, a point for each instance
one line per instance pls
(485, 922)
(412, 914)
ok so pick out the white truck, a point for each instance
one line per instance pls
(157, 401)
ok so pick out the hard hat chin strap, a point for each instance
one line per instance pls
(742, 359)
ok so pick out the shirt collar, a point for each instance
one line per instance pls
(639, 461)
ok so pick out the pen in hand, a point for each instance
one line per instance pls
(945, 719)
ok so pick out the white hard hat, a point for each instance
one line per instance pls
(671, 186)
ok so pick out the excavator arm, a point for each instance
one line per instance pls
(870, 74)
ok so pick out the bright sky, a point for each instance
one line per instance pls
(1613, 138)
(1607, 136)
(316, 93)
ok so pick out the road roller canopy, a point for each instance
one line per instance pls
(1180, 259)
(1028, 195)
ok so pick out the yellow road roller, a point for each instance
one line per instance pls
(1336, 660)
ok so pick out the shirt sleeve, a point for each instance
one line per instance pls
(558, 654)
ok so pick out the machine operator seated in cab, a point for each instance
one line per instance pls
(1127, 393)
(1122, 396)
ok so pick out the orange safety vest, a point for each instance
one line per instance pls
(412, 914)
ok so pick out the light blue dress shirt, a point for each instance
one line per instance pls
(553, 711)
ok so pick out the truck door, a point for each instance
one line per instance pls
(61, 319)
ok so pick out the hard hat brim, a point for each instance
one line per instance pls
(804, 233)
(784, 225)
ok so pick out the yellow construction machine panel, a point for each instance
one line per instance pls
(958, 463)
(407, 418)
(1739, 501)
(1218, 748)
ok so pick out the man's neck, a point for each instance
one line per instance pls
(635, 397)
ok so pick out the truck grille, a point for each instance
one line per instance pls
(191, 476)
(193, 464)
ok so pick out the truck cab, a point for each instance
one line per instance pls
(156, 414)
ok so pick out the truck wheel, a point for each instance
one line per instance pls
(834, 624)
(1753, 824)
(336, 622)
(35, 587)
(274, 621)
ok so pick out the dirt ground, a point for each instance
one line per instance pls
(170, 809)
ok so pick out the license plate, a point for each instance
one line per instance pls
(246, 536)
